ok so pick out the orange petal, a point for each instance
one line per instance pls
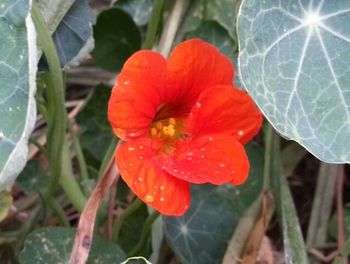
(225, 110)
(143, 174)
(215, 159)
(193, 66)
(137, 94)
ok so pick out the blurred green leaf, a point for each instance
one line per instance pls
(32, 178)
(73, 36)
(17, 81)
(96, 133)
(130, 234)
(202, 234)
(139, 10)
(225, 13)
(53, 245)
(215, 34)
(116, 38)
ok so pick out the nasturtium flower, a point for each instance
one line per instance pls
(181, 121)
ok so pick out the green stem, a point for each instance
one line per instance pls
(153, 24)
(55, 96)
(109, 154)
(51, 202)
(144, 234)
(343, 254)
(84, 175)
(120, 220)
(58, 151)
(69, 183)
(268, 157)
(38, 145)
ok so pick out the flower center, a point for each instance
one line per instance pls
(166, 128)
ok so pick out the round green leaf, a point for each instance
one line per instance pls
(116, 38)
(17, 81)
(295, 62)
(202, 234)
(53, 245)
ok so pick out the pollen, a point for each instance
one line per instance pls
(166, 128)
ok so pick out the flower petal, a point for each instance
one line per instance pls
(225, 110)
(213, 158)
(193, 66)
(137, 94)
(142, 172)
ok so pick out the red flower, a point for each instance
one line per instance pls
(182, 122)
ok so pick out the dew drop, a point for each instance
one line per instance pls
(131, 164)
(175, 170)
(240, 133)
(140, 157)
(140, 179)
(162, 187)
(202, 156)
(141, 147)
(222, 165)
(126, 82)
(161, 199)
(198, 105)
(202, 149)
(149, 198)
(131, 148)
(189, 158)
(210, 138)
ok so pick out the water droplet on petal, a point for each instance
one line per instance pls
(222, 165)
(161, 199)
(126, 82)
(198, 105)
(202, 156)
(140, 179)
(162, 187)
(131, 148)
(140, 157)
(210, 138)
(141, 147)
(240, 133)
(149, 198)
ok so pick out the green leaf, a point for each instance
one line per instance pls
(17, 81)
(294, 246)
(53, 11)
(53, 245)
(202, 234)
(132, 228)
(215, 34)
(94, 125)
(73, 36)
(139, 10)
(295, 61)
(32, 178)
(116, 38)
(224, 12)
(5, 203)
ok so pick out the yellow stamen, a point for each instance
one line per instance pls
(153, 131)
